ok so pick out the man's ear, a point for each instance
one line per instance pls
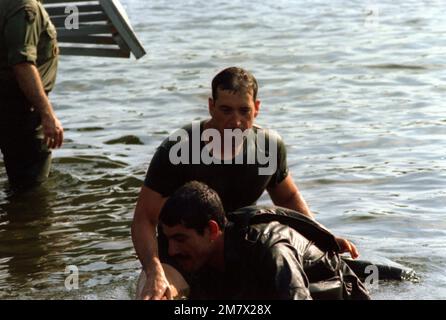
(256, 108)
(214, 229)
(211, 106)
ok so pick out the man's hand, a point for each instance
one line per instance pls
(31, 85)
(156, 287)
(347, 246)
(144, 239)
(52, 130)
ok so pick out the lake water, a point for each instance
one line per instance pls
(356, 89)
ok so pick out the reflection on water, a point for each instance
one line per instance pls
(76, 218)
(24, 251)
(360, 105)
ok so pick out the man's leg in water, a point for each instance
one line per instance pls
(27, 158)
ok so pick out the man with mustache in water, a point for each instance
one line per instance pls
(254, 253)
(233, 106)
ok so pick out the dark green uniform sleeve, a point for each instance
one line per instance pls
(163, 176)
(22, 33)
(282, 166)
(283, 273)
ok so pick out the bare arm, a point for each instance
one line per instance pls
(287, 195)
(30, 83)
(144, 239)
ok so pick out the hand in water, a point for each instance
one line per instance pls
(156, 287)
(347, 246)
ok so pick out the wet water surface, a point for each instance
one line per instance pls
(355, 90)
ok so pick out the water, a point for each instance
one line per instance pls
(355, 89)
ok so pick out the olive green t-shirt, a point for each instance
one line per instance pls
(238, 185)
(27, 35)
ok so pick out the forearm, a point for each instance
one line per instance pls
(145, 243)
(287, 194)
(297, 202)
(30, 83)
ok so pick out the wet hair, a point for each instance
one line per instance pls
(236, 80)
(193, 205)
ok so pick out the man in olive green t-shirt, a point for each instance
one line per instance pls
(29, 128)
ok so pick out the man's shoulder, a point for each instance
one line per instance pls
(10, 7)
(253, 210)
(248, 237)
(264, 221)
(258, 218)
(259, 238)
(269, 134)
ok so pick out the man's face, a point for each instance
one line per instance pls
(190, 249)
(233, 110)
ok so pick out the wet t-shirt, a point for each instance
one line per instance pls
(263, 165)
